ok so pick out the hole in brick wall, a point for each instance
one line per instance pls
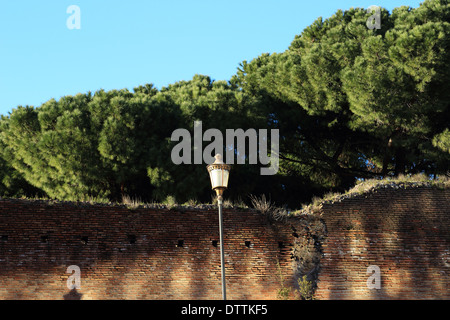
(180, 243)
(131, 238)
(84, 240)
(214, 243)
(4, 238)
(281, 245)
(44, 239)
(247, 244)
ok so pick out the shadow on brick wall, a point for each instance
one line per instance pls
(405, 232)
(73, 295)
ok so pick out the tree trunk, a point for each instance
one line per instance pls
(387, 157)
(400, 160)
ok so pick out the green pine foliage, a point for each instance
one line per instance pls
(350, 103)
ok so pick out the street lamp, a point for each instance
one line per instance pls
(219, 173)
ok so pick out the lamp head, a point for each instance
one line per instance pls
(219, 173)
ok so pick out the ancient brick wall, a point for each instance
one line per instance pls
(139, 254)
(405, 232)
(150, 253)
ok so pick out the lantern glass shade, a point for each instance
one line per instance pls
(219, 173)
(219, 178)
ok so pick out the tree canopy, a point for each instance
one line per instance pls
(349, 102)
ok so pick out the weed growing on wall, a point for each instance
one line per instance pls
(305, 288)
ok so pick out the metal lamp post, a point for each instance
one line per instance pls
(219, 173)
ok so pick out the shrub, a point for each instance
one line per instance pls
(305, 288)
(268, 208)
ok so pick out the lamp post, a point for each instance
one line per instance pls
(219, 173)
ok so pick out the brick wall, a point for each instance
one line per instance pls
(405, 232)
(172, 254)
(139, 254)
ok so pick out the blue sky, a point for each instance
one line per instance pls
(123, 44)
